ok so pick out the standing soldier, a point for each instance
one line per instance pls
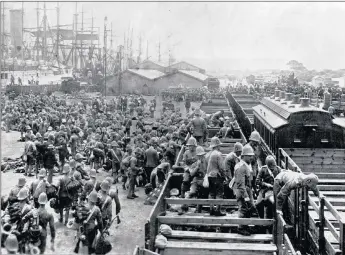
(198, 174)
(39, 186)
(199, 127)
(254, 142)
(229, 166)
(115, 155)
(91, 185)
(133, 173)
(13, 196)
(187, 104)
(242, 187)
(105, 203)
(189, 158)
(215, 173)
(49, 161)
(265, 181)
(151, 160)
(128, 124)
(29, 154)
(73, 142)
(45, 218)
(64, 197)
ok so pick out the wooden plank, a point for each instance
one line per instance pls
(238, 247)
(330, 193)
(329, 215)
(331, 187)
(181, 201)
(314, 205)
(180, 220)
(325, 175)
(330, 249)
(332, 229)
(332, 209)
(335, 201)
(335, 181)
(296, 152)
(318, 161)
(220, 236)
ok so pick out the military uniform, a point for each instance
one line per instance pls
(229, 167)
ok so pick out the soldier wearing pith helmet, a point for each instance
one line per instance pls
(230, 161)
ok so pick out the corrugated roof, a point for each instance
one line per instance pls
(272, 119)
(284, 110)
(339, 121)
(148, 74)
(194, 74)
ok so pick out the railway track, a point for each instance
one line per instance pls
(318, 224)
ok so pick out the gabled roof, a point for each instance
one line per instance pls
(194, 74)
(162, 64)
(147, 74)
(184, 63)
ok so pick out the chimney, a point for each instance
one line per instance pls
(295, 99)
(282, 95)
(304, 102)
(276, 93)
(288, 96)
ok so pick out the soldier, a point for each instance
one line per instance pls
(39, 186)
(13, 196)
(189, 158)
(216, 175)
(242, 187)
(11, 245)
(113, 193)
(91, 185)
(288, 180)
(29, 154)
(90, 226)
(199, 127)
(187, 104)
(265, 181)
(230, 161)
(151, 161)
(128, 124)
(198, 173)
(254, 141)
(105, 203)
(133, 173)
(65, 198)
(49, 161)
(215, 119)
(40, 150)
(24, 208)
(63, 151)
(45, 218)
(115, 155)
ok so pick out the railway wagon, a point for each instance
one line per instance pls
(312, 142)
(285, 121)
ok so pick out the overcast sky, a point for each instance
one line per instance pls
(222, 35)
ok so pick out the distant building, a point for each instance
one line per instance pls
(339, 81)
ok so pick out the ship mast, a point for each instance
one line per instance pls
(38, 31)
(22, 31)
(75, 34)
(57, 34)
(44, 55)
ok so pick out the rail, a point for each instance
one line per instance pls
(302, 219)
(283, 241)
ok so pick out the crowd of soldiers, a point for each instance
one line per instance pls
(123, 139)
(238, 176)
(81, 141)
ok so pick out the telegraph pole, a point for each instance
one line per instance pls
(81, 41)
(139, 54)
(159, 51)
(105, 55)
(44, 55)
(38, 31)
(147, 50)
(75, 33)
(120, 71)
(22, 31)
(58, 34)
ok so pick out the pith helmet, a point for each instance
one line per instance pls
(23, 194)
(11, 243)
(21, 181)
(38, 135)
(270, 161)
(109, 180)
(114, 144)
(42, 172)
(247, 150)
(66, 169)
(215, 142)
(311, 180)
(93, 197)
(197, 112)
(105, 186)
(238, 147)
(255, 137)
(200, 151)
(78, 156)
(42, 199)
(93, 173)
(192, 141)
